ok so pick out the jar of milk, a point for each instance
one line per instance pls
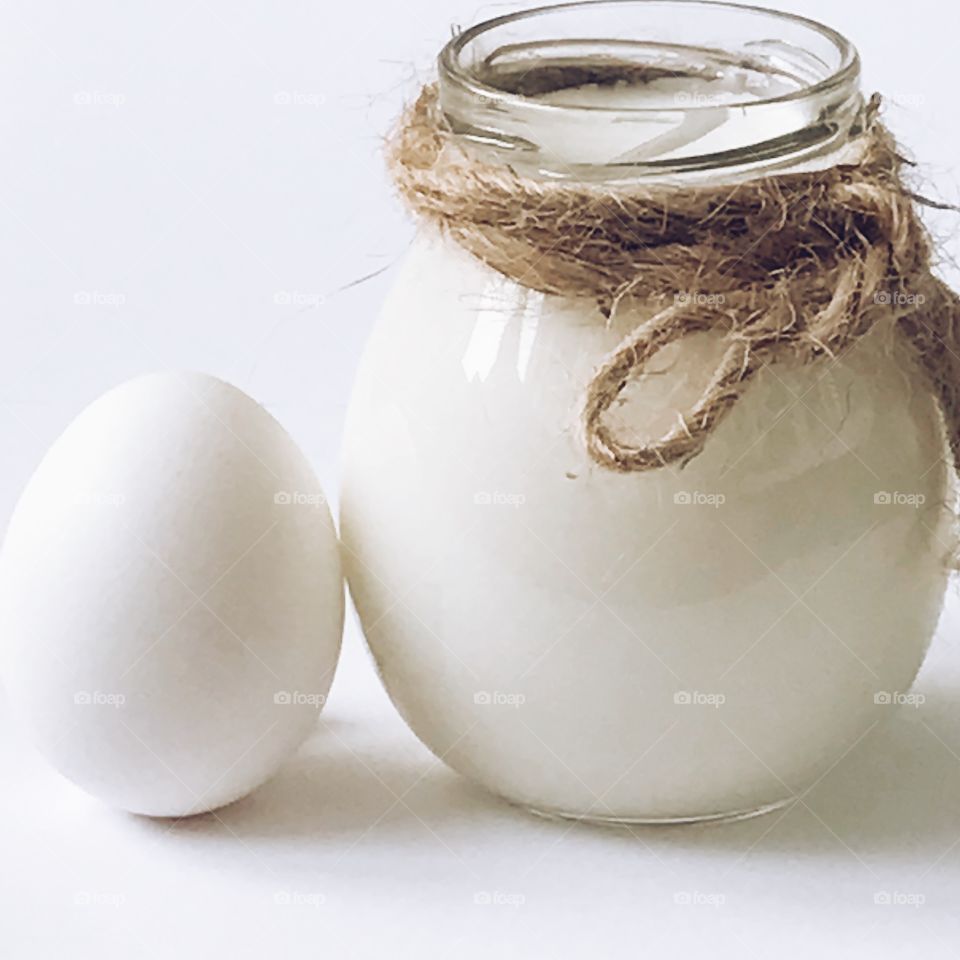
(668, 645)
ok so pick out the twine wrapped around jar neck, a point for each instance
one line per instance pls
(795, 265)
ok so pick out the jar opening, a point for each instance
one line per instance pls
(624, 88)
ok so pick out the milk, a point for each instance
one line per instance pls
(662, 646)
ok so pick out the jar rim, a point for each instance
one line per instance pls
(452, 69)
(648, 75)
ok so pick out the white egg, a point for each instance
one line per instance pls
(171, 599)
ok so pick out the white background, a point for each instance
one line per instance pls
(186, 167)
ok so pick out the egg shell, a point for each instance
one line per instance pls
(171, 597)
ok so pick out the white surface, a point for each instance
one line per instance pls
(207, 203)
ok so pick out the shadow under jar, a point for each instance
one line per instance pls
(670, 645)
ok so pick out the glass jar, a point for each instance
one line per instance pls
(672, 645)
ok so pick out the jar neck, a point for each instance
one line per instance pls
(691, 89)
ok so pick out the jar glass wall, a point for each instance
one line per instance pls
(671, 645)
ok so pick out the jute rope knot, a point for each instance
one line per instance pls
(801, 265)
